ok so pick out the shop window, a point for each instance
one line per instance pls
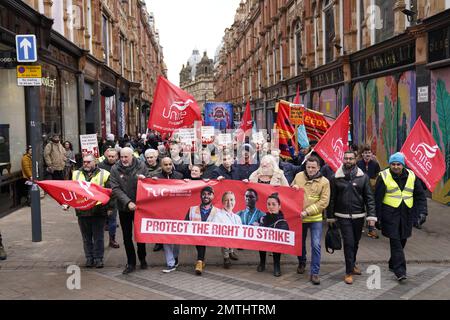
(50, 100)
(386, 15)
(329, 32)
(298, 49)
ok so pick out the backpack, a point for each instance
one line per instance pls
(333, 239)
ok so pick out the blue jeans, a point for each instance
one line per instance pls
(93, 236)
(112, 223)
(316, 235)
(171, 252)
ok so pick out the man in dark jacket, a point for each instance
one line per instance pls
(226, 170)
(151, 162)
(171, 251)
(124, 176)
(111, 157)
(92, 221)
(178, 161)
(207, 163)
(351, 201)
(397, 194)
(246, 163)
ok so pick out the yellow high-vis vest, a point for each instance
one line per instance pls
(394, 196)
(99, 179)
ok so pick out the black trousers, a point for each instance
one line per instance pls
(58, 175)
(201, 251)
(126, 222)
(276, 257)
(397, 262)
(351, 230)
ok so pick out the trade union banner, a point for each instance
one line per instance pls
(224, 213)
(219, 115)
(81, 195)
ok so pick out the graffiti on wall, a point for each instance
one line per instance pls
(440, 126)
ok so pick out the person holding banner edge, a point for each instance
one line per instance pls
(397, 194)
(124, 176)
(274, 218)
(316, 200)
(203, 212)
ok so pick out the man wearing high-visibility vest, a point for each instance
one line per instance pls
(397, 194)
(92, 222)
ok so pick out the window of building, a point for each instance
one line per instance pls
(386, 16)
(274, 58)
(132, 60)
(298, 49)
(122, 55)
(281, 59)
(329, 33)
(268, 69)
(105, 39)
(89, 23)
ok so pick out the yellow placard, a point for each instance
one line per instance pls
(29, 71)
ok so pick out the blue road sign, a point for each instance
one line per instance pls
(26, 48)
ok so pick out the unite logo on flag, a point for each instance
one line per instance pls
(174, 115)
(422, 155)
(338, 147)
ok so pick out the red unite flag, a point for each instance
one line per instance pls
(297, 96)
(247, 123)
(80, 195)
(334, 142)
(172, 108)
(423, 156)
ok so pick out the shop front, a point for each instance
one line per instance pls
(439, 66)
(384, 95)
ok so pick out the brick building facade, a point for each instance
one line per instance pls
(374, 55)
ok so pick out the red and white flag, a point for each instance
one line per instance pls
(172, 108)
(247, 123)
(422, 155)
(334, 142)
(297, 96)
(80, 195)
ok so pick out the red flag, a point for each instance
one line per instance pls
(80, 195)
(422, 155)
(172, 108)
(297, 96)
(286, 130)
(315, 123)
(247, 122)
(334, 142)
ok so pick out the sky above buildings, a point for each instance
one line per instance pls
(185, 25)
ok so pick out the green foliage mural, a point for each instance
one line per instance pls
(443, 112)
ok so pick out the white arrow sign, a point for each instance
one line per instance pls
(26, 45)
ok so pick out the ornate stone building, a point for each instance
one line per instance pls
(120, 62)
(387, 59)
(197, 78)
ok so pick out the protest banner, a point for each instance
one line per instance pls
(158, 221)
(219, 115)
(89, 144)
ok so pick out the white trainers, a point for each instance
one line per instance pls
(169, 269)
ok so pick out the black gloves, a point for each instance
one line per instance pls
(420, 221)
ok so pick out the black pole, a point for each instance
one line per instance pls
(32, 101)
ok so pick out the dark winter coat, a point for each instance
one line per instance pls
(397, 223)
(207, 174)
(289, 170)
(173, 175)
(372, 169)
(351, 196)
(124, 180)
(245, 170)
(229, 175)
(276, 221)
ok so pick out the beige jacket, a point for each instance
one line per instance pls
(316, 197)
(278, 178)
(54, 156)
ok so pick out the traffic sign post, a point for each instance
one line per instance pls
(26, 48)
(29, 75)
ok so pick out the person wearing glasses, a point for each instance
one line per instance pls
(351, 201)
(92, 221)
